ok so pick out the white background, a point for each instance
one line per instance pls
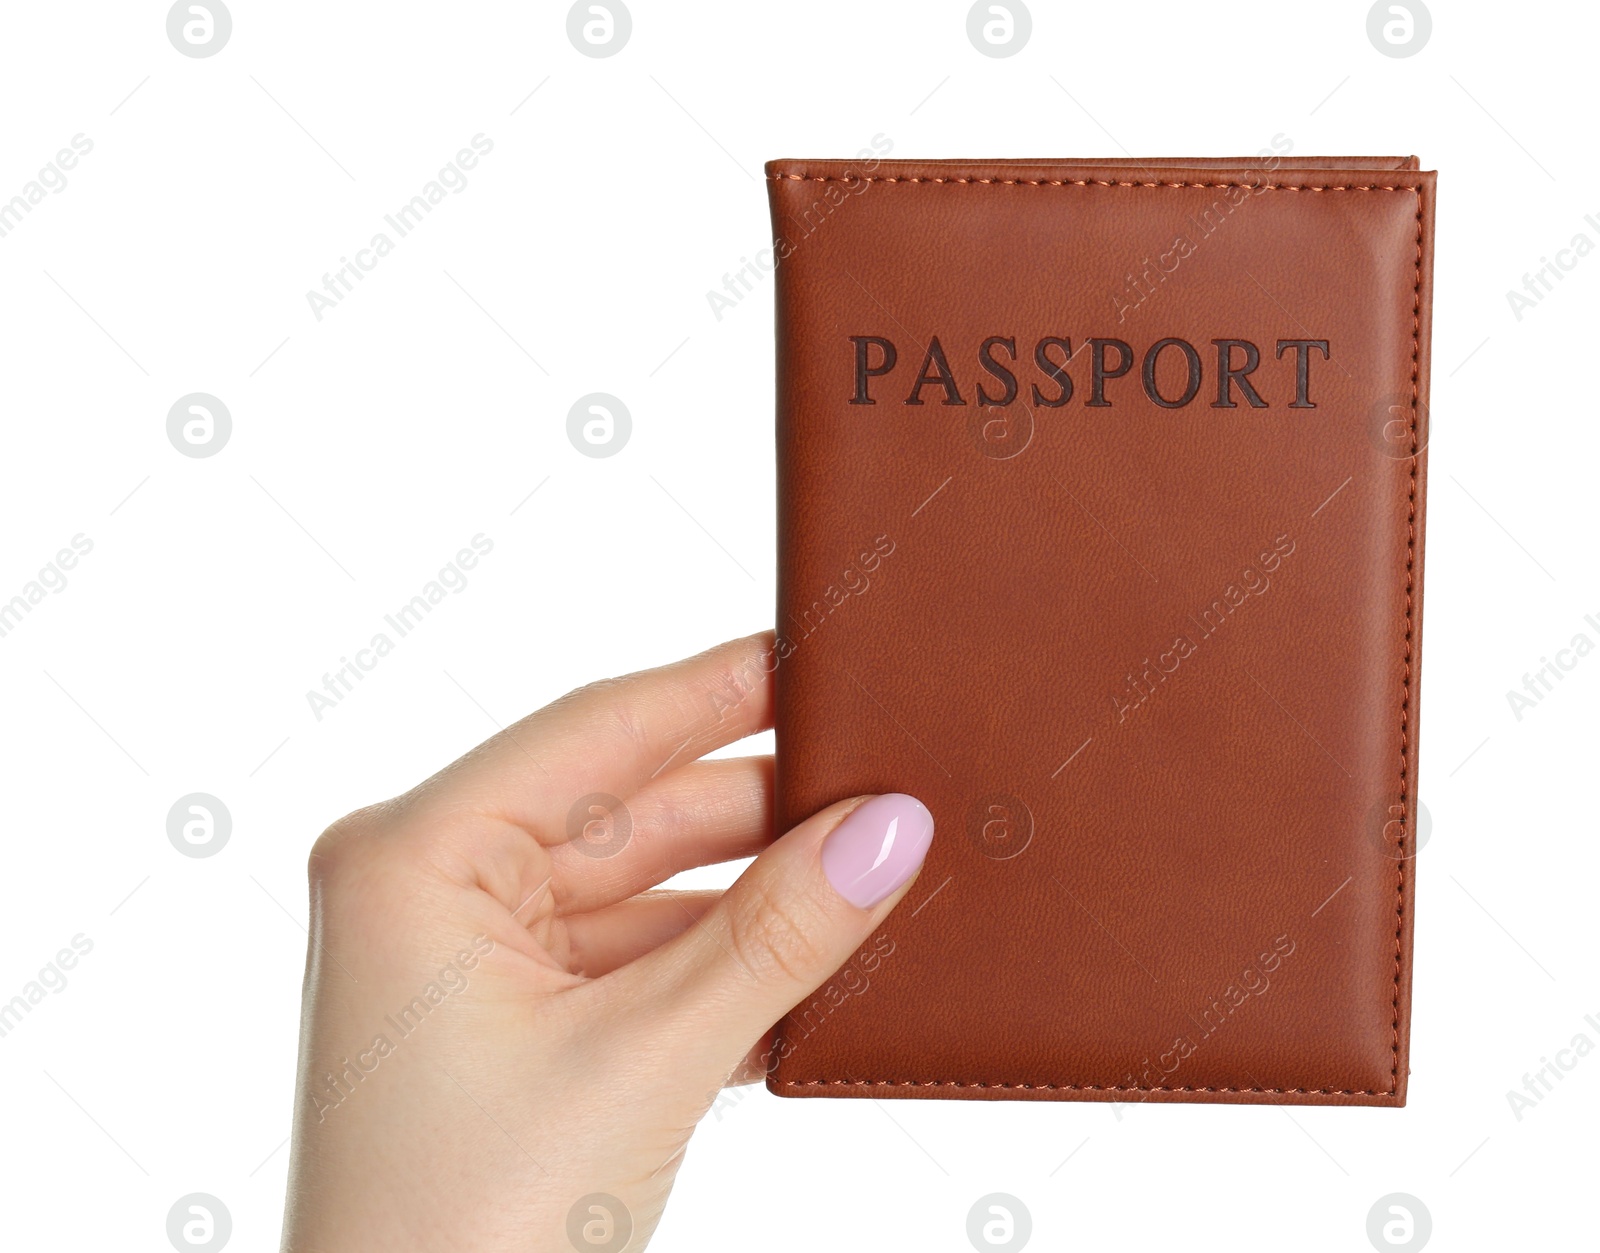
(369, 446)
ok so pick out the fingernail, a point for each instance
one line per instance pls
(877, 848)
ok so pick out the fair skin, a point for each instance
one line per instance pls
(579, 1023)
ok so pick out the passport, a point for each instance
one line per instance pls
(1100, 520)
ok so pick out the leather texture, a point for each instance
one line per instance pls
(1153, 666)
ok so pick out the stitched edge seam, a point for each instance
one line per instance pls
(1091, 182)
(1405, 699)
(1067, 1087)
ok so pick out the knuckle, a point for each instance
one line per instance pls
(346, 847)
(776, 935)
(735, 682)
(612, 707)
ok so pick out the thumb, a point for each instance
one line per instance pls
(790, 920)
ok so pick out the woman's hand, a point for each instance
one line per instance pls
(507, 1037)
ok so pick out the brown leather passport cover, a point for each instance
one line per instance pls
(1100, 529)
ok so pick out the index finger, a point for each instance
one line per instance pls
(611, 737)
